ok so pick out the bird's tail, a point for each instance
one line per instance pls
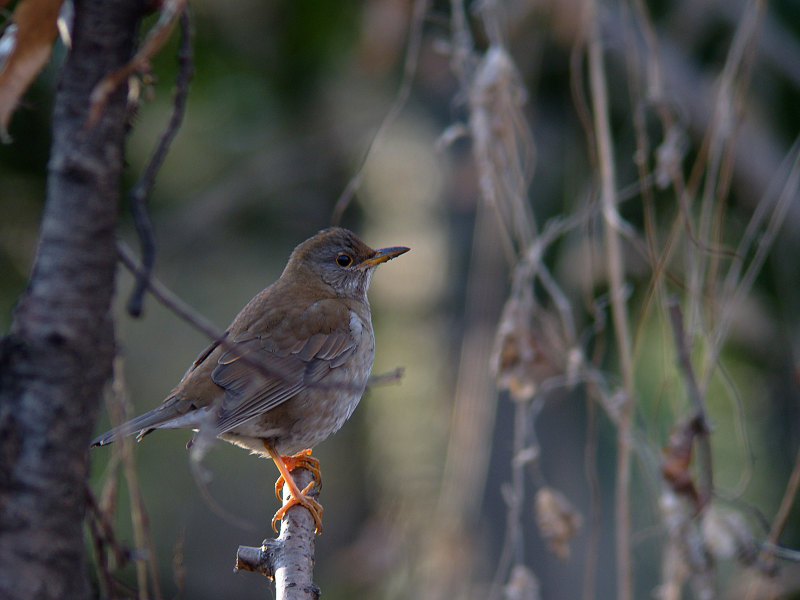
(161, 416)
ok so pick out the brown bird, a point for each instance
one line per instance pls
(293, 368)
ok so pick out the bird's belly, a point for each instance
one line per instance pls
(301, 422)
(321, 411)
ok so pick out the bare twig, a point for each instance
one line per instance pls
(103, 537)
(466, 463)
(178, 568)
(703, 443)
(170, 299)
(715, 164)
(409, 71)
(156, 37)
(289, 559)
(513, 554)
(736, 283)
(502, 147)
(140, 524)
(593, 481)
(386, 378)
(615, 266)
(144, 186)
(258, 560)
(771, 549)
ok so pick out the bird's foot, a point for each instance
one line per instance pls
(314, 507)
(301, 460)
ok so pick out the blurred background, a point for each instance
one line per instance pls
(285, 103)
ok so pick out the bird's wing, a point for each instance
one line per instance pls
(289, 364)
(203, 356)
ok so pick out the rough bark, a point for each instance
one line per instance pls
(58, 354)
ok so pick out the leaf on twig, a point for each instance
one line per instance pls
(557, 519)
(24, 49)
(155, 40)
(528, 348)
(676, 460)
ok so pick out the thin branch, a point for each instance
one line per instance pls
(169, 299)
(103, 537)
(787, 503)
(386, 378)
(513, 553)
(153, 42)
(593, 481)
(466, 460)
(784, 553)
(258, 559)
(715, 163)
(140, 522)
(770, 550)
(736, 284)
(144, 186)
(702, 430)
(615, 266)
(409, 71)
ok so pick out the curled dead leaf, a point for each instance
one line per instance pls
(676, 460)
(557, 519)
(528, 347)
(29, 41)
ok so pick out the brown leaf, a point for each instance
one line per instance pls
(676, 459)
(557, 519)
(35, 31)
(528, 349)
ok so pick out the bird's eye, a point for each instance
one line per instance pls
(343, 260)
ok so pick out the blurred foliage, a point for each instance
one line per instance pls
(284, 102)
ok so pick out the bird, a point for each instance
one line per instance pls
(291, 367)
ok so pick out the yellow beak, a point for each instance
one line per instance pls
(382, 255)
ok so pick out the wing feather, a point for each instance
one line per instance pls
(250, 392)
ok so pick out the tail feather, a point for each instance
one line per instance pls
(161, 416)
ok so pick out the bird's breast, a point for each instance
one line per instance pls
(321, 410)
(360, 365)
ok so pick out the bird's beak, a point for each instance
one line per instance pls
(382, 255)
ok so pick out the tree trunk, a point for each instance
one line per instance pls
(58, 354)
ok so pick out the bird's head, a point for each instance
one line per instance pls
(338, 258)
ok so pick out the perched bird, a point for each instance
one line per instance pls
(293, 365)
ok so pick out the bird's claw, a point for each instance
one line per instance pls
(314, 507)
(301, 460)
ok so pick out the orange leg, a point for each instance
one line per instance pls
(285, 465)
(301, 460)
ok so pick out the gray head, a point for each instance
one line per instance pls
(337, 257)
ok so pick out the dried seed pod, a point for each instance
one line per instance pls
(528, 348)
(557, 519)
(522, 585)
